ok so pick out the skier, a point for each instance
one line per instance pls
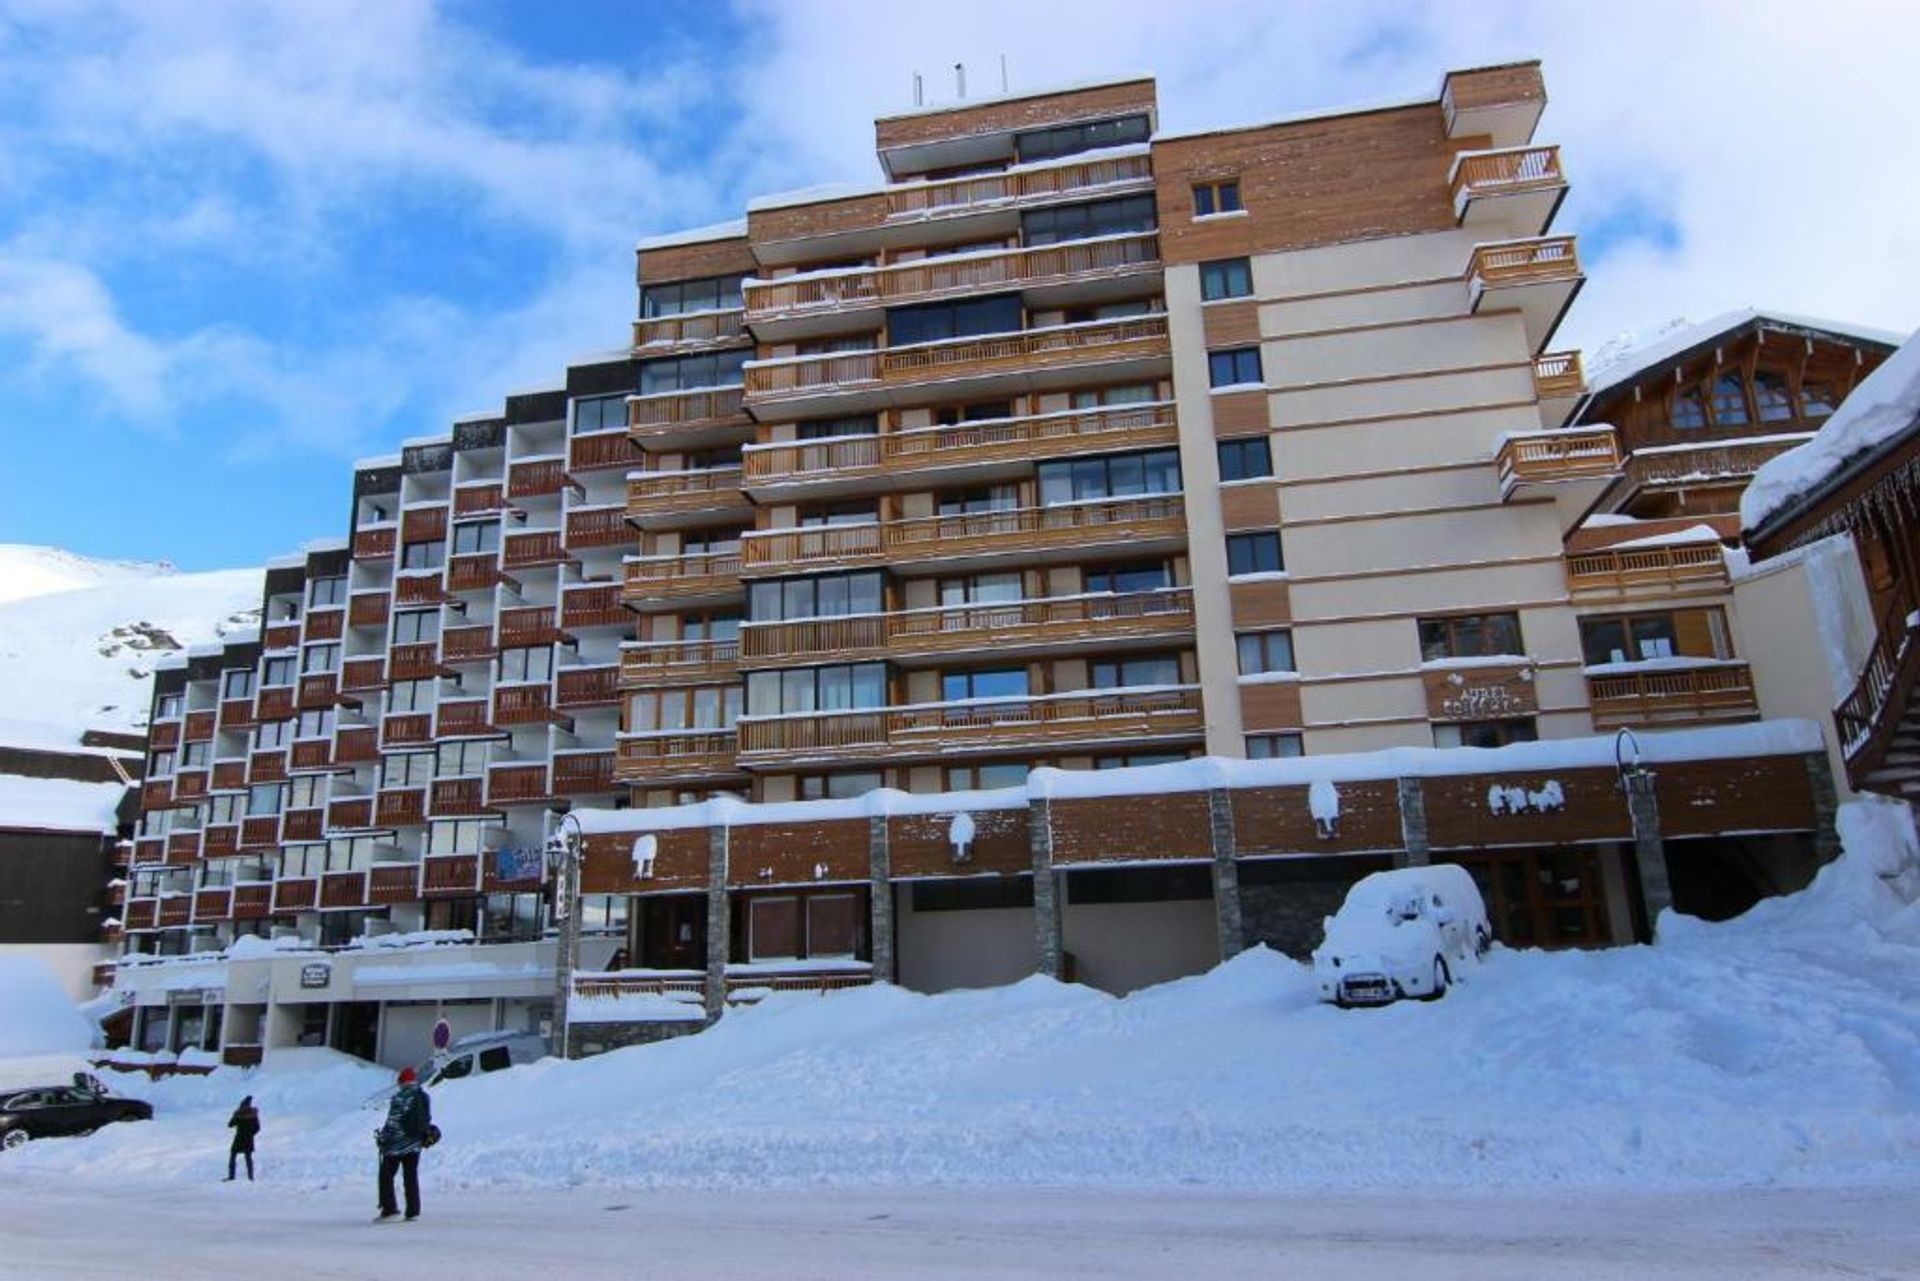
(245, 1123)
(409, 1123)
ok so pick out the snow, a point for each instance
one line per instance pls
(82, 656)
(1626, 357)
(731, 230)
(1883, 408)
(59, 804)
(1323, 802)
(36, 1017)
(1691, 534)
(42, 736)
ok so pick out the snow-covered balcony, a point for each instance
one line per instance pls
(690, 330)
(668, 499)
(1514, 191)
(1571, 465)
(1111, 172)
(677, 756)
(1535, 276)
(666, 419)
(681, 578)
(1559, 380)
(1622, 571)
(1671, 690)
(1689, 466)
(647, 664)
(1146, 525)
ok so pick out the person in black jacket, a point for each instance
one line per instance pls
(409, 1117)
(245, 1123)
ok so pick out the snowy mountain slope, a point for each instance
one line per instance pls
(79, 637)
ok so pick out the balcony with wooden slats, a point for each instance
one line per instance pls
(279, 636)
(420, 587)
(530, 626)
(406, 729)
(393, 883)
(213, 905)
(303, 825)
(1143, 524)
(356, 744)
(350, 813)
(996, 192)
(653, 582)
(236, 714)
(683, 756)
(230, 775)
(368, 609)
(142, 913)
(1089, 718)
(415, 661)
(517, 783)
(842, 546)
(1514, 191)
(691, 331)
(357, 675)
(183, 847)
(583, 773)
(343, 889)
(400, 807)
(449, 874)
(424, 523)
(220, 840)
(592, 605)
(268, 766)
(458, 797)
(175, 910)
(602, 526)
(646, 664)
(275, 703)
(1673, 467)
(533, 549)
(481, 499)
(1537, 277)
(312, 753)
(261, 832)
(375, 541)
(319, 689)
(1572, 466)
(163, 736)
(465, 718)
(296, 894)
(536, 477)
(1668, 696)
(473, 644)
(524, 705)
(603, 451)
(663, 419)
(1559, 380)
(1655, 571)
(156, 794)
(252, 900)
(198, 727)
(472, 572)
(1044, 624)
(325, 623)
(597, 685)
(190, 785)
(678, 498)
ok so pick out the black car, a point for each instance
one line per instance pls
(49, 1111)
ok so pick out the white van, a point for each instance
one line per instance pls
(483, 1052)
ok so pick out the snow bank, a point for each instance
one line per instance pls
(59, 804)
(35, 1015)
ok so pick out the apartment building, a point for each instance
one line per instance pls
(1072, 450)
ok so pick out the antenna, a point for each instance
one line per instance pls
(919, 91)
(960, 77)
(1003, 74)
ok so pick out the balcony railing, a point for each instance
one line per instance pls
(467, 644)
(945, 629)
(684, 755)
(368, 609)
(598, 526)
(473, 572)
(319, 689)
(1031, 528)
(517, 783)
(401, 807)
(814, 544)
(420, 587)
(1507, 172)
(458, 797)
(535, 548)
(350, 813)
(937, 277)
(536, 477)
(303, 825)
(647, 414)
(280, 636)
(1571, 453)
(450, 874)
(230, 776)
(296, 895)
(424, 522)
(667, 493)
(466, 717)
(1685, 465)
(522, 704)
(677, 576)
(1719, 691)
(1541, 260)
(236, 714)
(479, 500)
(416, 660)
(969, 195)
(678, 662)
(269, 766)
(375, 542)
(1870, 714)
(533, 625)
(406, 728)
(362, 674)
(1669, 568)
(313, 753)
(582, 773)
(356, 744)
(393, 883)
(602, 450)
(703, 327)
(597, 686)
(597, 605)
(1559, 375)
(1052, 719)
(325, 624)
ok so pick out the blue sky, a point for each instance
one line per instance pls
(244, 244)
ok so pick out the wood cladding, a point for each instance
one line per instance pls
(680, 863)
(1278, 820)
(723, 256)
(1496, 86)
(1241, 413)
(796, 853)
(818, 218)
(1480, 693)
(1093, 103)
(1230, 324)
(1273, 706)
(1260, 604)
(920, 845)
(1250, 506)
(1146, 828)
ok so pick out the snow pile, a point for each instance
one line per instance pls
(36, 1018)
(79, 638)
(59, 804)
(1880, 409)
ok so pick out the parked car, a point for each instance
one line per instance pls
(52, 1111)
(1412, 931)
(483, 1052)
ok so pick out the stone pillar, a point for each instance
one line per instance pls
(1049, 954)
(718, 942)
(880, 896)
(1649, 851)
(1413, 824)
(1226, 874)
(1826, 805)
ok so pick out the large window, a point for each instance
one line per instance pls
(1263, 652)
(988, 410)
(506, 917)
(1228, 278)
(1129, 394)
(168, 706)
(275, 672)
(987, 776)
(1152, 576)
(855, 511)
(300, 861)
(714, 293)
(306, 791)
(1134, 670)
(350, 853)
(822, 596)
(237, 684)
(839, 787)
(416, 627)
(709, 627)
(996, 682)
(1689, 410)
(461, 759)
(700, 707)
(1069, 140)
(686, 373)
(409, 696)
(1114, 476)
(1256, 553)
(314, 724)
(1485, 733)
(1770, 394)
(1470, 636)
(1269, 747)
(195, 755)
(1641, 638)
(321, 659)
(1236, 367)
(832, 428)
(931, 322)
(476, 537)
(600, 413)
(533, 664)
(1247, 459)
(1817, 398)
(461, 836)
(990, 588)
(325, 592)
(1729, 401)
(430, 554)
(1081, 222)
(264, 799)
(407, 769)
(841, 687)
(978, 502)
(271, 735)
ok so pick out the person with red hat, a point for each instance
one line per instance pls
(407, 1130)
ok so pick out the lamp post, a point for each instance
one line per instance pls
(563, 858)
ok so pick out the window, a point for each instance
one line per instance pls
(1770, 394)
(350, 853)
(275, 672)
(1218, 197)
(163, 764)
(324, 592)
(841, 687)
(476, 537)
(263, 800)
(453, 914)
(1817, 398)
(416, 627)
(982, 589)
(1257, 553)
(407, 769)
(1689, 411)
(409, 696)
(1152, 576)
(510, 916)
(982, 778)
(1089, 313)
(604, 914)
(337, 929)
(321, 659)
(1125, 215)
(1637, 639)
(996, 682)
(1247, 459)
(852, 512)
(827, 595)
(224, 810)
(712, 293)
(709, 627)
(1485, 733)
(986, 411)
(1137, 760)
(465, 759)
(830, 428)
(931, 322)
(306, 791)
(684, 373)
(1137, 670)
(700, 707)
(523, 665)
(1067, 140)
(424, 555)
(461, 836)
(1237, 367)
(1228, 278)
(314, 724)
(270, 735)
(1264, 652)
(168, 708)
(1101, 397)
(194, 755)
(1729, 401)
(839, 787)
(236, 684)
(1114, 476)
(1269, 747)
(977, 502)
(1470, 636)
(600, 413)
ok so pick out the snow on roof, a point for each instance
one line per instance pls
(59, 805)
(730, 230)
(1016, 95)
(1691, 534)
(815, 194)
(45, 736)
(424, 442)
(479, 416)
(380, 460)
(1725, 742)
(1882, 409)
(320, 546)
(297, 560)
(1610, 368)
(1303, 117)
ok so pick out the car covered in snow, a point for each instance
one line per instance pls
(56, 1111)
(1411, 931)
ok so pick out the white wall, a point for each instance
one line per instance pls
(982, 947)
(1118, 947)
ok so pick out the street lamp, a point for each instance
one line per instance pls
(563, 860)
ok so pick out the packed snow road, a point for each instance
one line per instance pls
(57, 1231)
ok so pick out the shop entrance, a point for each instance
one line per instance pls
(356, 1028)
(1552, 897)
(673, 932)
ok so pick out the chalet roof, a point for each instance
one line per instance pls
(1881, 415)
(1675, 346)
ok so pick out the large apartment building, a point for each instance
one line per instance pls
(1070, 445)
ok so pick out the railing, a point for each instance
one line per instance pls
(1571, 453)
(236, 1055)
(375, 542)
(356, 744)
(684, 755)
(601, 450)
(539, 547)
(479, 500)
(1092, 715)
(183, 847)
(1625, 569)
(425, 523)
(1694, 464)
(350, 813)
(319, 689)
(274, 703)
(295, 895)
(175, 909)
(937, 276)
(692, 327)
(269, 766)
(661, 493)
(644, 663)
(363, 674)
(236, 713)
(686, 983)
(163, 735)
(420, 587)
(212, 904)
(670, 409)
(325, 624)
(595, 606)
(220, 840)
(536, 477)
(467, 644)
(473, 572)
(303, 825)
(953, 627)
(684, 574)
(406, 728)
(367, 609)
(582, 773)
(1558, 375)
(517, 783)
(190, 784)
(533, 625)
(450, 874)
(831, 543)
(1024, 527)
(1886, 682)
(597, 686)
(457, 797)
(343, 889)
(280, 636)
(964, 195)
(522, 704)
(1686, 693)
(1498, 173)
(252, 900)
(469, 716)
(260, 833)
(414, 661)
(1540, 260)
(393, 883)
(400, 808)
(313, 753)
(229, 776)
(598, 526)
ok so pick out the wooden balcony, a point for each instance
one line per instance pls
(406, 728)
(443, 874)
(458, 797)
(220, 840)
(665, 412)
(1717, 692)
(163, 736)
(414, 662)
(583, 773)
(467, 644)
(190, 785)
(1872, 717)
(598, 526)
(213, 904)
(683, 577)
(1536, 277)
(260, 833)
(420, 587)
(269, 766)
(1034, 529)
(517, 783)
(230, 776)
(312, 753)
(343, 889)
(156, 794)
(1656, 571)
(1690, 466)
(319, 689)
(479, 499)
(368, 609)
(423, 523)
(274, 703)
(401, 807)
(350, 813)
(393, 883)
(236, 714)
(252, 900)
(325, 623)
(183, 847)
(927, 279)
(356, 744)
(1527, 460)
(535, 625)
(465, 718)
(533, 549)
(303, 825)
(198, 727)
(296, 895)
(646, 664)
(577, 687)
(603, 451)
(375, 542)
(1514, 191)
(142, 913)
(692, 329)
(660, 495)
(958, 196)
(523, 705)
(473, 572)
(537, 477)
(680, 757)
(1059, 622)
(360, 674)
(837, 545)
(592, 605)
(278, 636)
(1559, 375)
(175, 910)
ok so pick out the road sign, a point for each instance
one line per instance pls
(442, 1034)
